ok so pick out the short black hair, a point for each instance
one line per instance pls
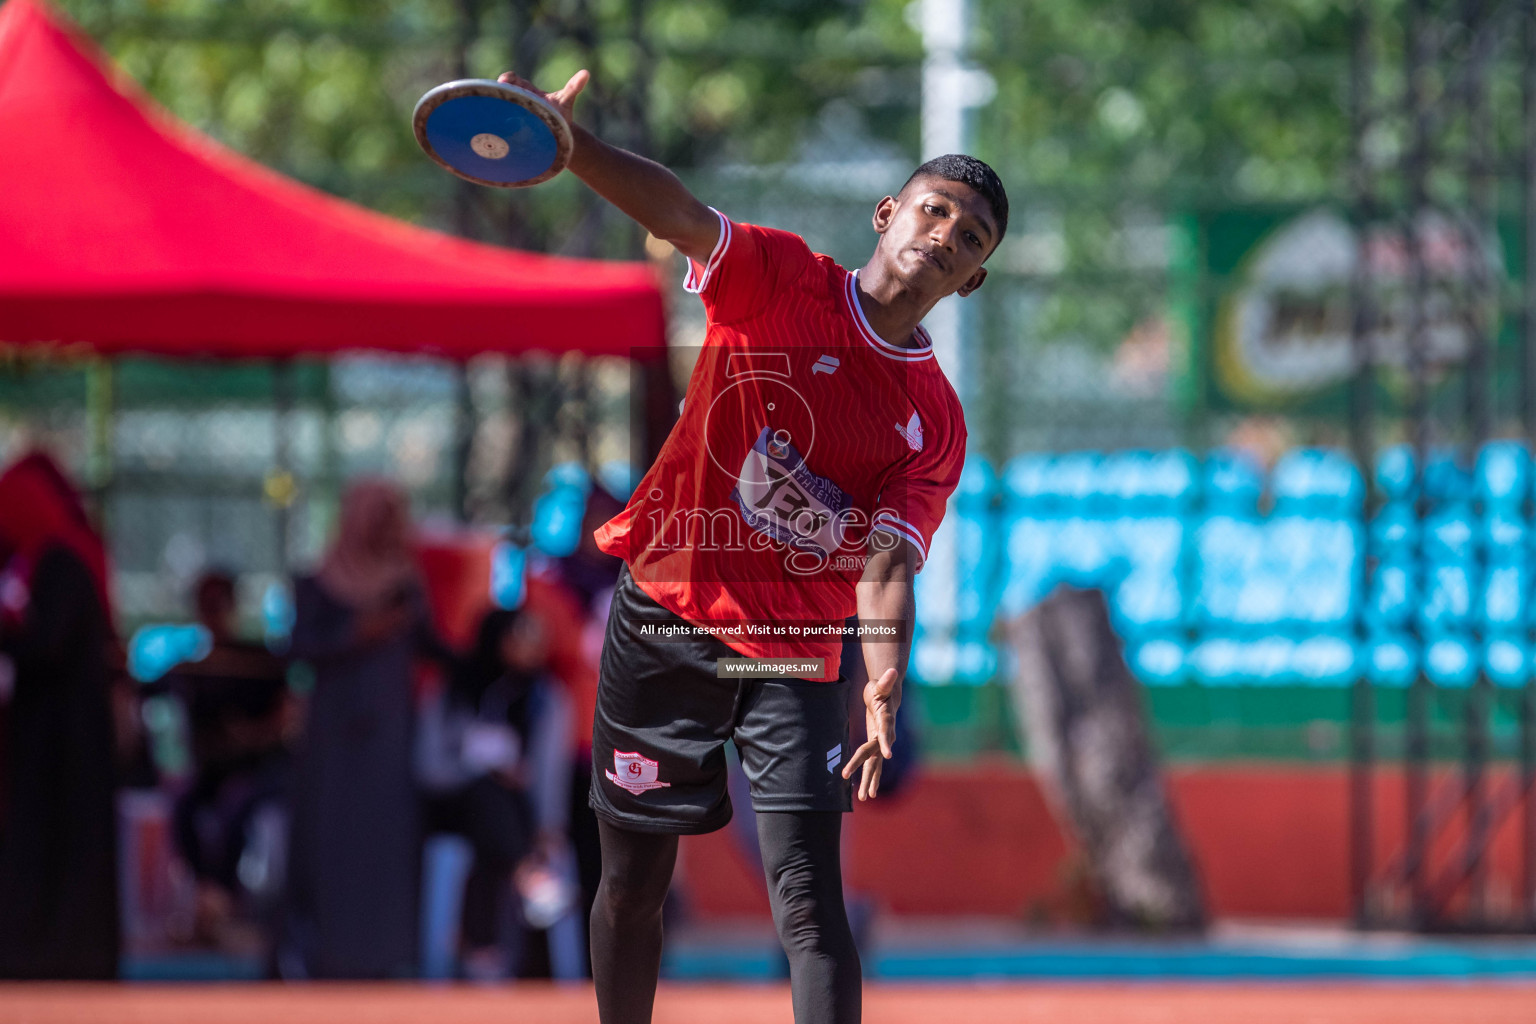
(969, 171)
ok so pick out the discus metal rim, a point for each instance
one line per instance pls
(526, 98)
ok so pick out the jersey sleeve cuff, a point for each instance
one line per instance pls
(694, 282)
(889, 522)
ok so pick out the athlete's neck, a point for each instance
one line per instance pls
(892, 309)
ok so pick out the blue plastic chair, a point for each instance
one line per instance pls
(1503, 601)
(1317, 481)
(1451, 533)
(1159, 661)
(1393, 596)
(1502, 474)
(1231, 483)
(1507, 660)
(1503, 533)
(1395, 532)
(155, 650)
(1024, 481)
(1325, 660)
(508, 575)
(1449, 589)
(1392, 660)
(1445, 480)
(1451, 661)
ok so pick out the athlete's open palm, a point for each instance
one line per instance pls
(564, 99)
(881, 699)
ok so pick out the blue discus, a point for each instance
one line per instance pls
(492, 133)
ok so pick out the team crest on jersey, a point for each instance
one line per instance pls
(635, 773)
(912, 432)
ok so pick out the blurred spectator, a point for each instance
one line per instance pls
(58, 838)
(239, 712)
(574, 592)
(361, 622)
(588, 571)
(495, 756)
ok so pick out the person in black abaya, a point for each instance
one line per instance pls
(361, 622)
(58, 835)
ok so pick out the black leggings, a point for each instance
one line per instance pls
(805, 888)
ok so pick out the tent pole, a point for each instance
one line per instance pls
(328, 482)
(100, 408)
(1418, 110)
(281, 492)
(464, 442)
(579, 401)
(1480, 230)
(522, 463)
(1362, 438)
(1527, 207)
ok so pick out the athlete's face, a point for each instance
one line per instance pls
(935, 235)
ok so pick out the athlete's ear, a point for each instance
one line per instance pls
(972, 283)
(885, 212)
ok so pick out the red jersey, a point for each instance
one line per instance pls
(802, 432)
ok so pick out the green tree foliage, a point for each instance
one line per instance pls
(323, 89)
(1212, 101)
(1108, 120)
(1097, 104)
(1111, 117)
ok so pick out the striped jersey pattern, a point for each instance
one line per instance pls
(759, 508)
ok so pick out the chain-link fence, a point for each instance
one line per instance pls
(1159, 161)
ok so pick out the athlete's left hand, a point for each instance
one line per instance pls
(881, 699)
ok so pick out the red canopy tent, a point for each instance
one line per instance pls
(122, 230)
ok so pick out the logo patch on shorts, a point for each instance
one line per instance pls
(634, 773)
(834, 758)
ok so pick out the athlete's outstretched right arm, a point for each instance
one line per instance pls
(650, 194)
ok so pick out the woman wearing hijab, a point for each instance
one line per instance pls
(58, 836)
(361, 622)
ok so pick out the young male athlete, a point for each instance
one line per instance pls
(817, 446)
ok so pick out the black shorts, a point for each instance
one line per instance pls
(658, 738)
